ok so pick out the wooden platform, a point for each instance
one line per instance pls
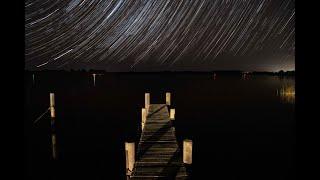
(158, 154)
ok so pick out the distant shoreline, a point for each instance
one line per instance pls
(235, 72)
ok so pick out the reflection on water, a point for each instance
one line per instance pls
(287, 94)
(242, 117)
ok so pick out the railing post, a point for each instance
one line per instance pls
(53, 133)
(130, 157)
(172, 114)
(147, 101)
(187, 151)
(143, 117)
(168, 98)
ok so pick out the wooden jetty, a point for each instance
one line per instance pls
(158, 153)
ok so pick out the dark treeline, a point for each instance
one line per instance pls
(233, 72)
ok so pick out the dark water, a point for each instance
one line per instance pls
(241, 129)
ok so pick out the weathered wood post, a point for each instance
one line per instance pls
(147, 101)
(53, 133)
(143, 117)
(130, 157)
(168, 98)
(187, 151)
(172, 114)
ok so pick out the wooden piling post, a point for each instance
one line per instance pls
(147, 101)
(168, 98)
(143, 117)
(130, 157)
(172, 114)
(53, 134)
(52, 105)
(187, 151)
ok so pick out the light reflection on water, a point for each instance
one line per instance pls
(287, 93)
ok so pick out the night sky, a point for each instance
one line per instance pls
(158, 35)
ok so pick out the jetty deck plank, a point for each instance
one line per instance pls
(158, 153)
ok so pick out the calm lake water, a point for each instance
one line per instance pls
(241, 129)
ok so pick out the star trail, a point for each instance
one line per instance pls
(155, 35)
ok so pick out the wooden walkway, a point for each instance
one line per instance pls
(158, 153)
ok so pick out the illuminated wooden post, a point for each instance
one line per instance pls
(172, 114)
(147, 101)
(143, 117)
(168, 98)
(187, 151)
(52, 104)
(53, 134)
(130, 157)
